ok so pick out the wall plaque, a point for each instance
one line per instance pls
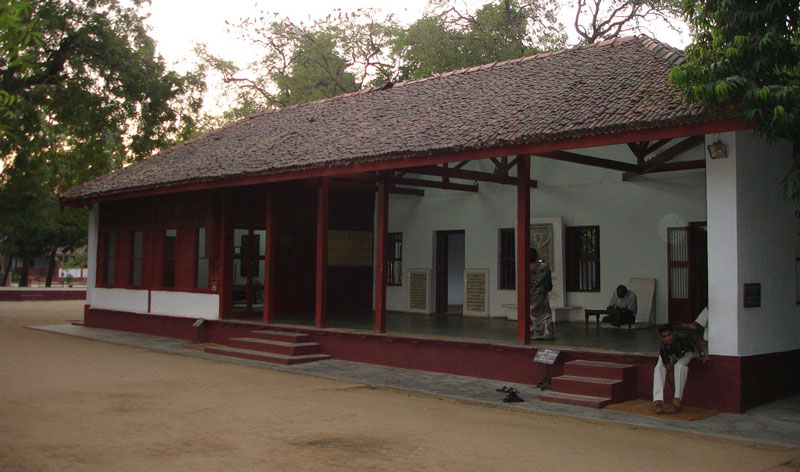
(752, 295)
(349, 248)
(476, 292)
(542, 240)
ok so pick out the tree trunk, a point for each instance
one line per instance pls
(23, 277)
(50, 267)
(6, 274)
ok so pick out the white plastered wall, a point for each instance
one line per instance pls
(751, 240)
(632, 216)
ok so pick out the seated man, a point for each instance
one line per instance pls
(622, 307)
(677, 350)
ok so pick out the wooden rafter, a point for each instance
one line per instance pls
(590, 161)
(467, 175)
(671, 153)
(368, 185)
(639, 150)
(434, 184)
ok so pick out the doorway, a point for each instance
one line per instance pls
(450, 266)
(249, 245)
(687, 269)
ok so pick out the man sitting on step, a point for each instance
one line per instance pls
(677, 350)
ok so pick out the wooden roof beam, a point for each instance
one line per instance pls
(567, 156)
(671, 153)
(367, 186)
(467, 175)
(669, 167)
(434, 184)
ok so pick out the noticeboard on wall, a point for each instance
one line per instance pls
(349, 248)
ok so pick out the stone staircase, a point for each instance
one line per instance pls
(592, 384)
(278, 347)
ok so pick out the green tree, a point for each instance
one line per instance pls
(16, 34)
(746, 57)
(341, 53)
(90, 95)
(450, 39)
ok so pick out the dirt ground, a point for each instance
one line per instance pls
(70, 404)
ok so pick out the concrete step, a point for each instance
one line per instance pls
(599, 369)
(265, 356)
(276, 347)
(588, 401)
(591, 386)
(284, 336)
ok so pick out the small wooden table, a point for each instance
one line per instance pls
(596, 313)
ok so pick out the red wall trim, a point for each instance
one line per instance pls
(651, 134)
(728, 384)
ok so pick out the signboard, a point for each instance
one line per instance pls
(752, 295)
(546, 356)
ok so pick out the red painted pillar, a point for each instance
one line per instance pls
(321, 298)
(225, 255)
(380, 255)
(269, 260)
(523, 238)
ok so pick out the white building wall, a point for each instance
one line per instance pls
(121, 299)
(632, 216)
(766, 247)
(723, 274)
(190, 305)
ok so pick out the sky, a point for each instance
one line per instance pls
(177, 25)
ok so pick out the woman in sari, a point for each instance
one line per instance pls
(541, 283)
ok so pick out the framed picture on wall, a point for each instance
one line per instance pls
(542, 240)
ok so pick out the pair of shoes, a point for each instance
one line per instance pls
(658, 408)
(676, 405)
(512, 397)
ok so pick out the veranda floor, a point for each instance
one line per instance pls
(569, 335)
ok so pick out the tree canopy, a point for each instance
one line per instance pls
(746, 56)
(86, 93)
(347, 51)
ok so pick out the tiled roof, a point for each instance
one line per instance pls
(617, 85)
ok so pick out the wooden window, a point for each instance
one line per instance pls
(168, 274)
(395, 259)
(137, 255)
(201, 276)
(582, 250)
(797, 258)
(507, 270)
(109, 257)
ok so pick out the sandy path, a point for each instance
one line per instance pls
(72, 404)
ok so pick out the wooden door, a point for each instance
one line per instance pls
(679, 301)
